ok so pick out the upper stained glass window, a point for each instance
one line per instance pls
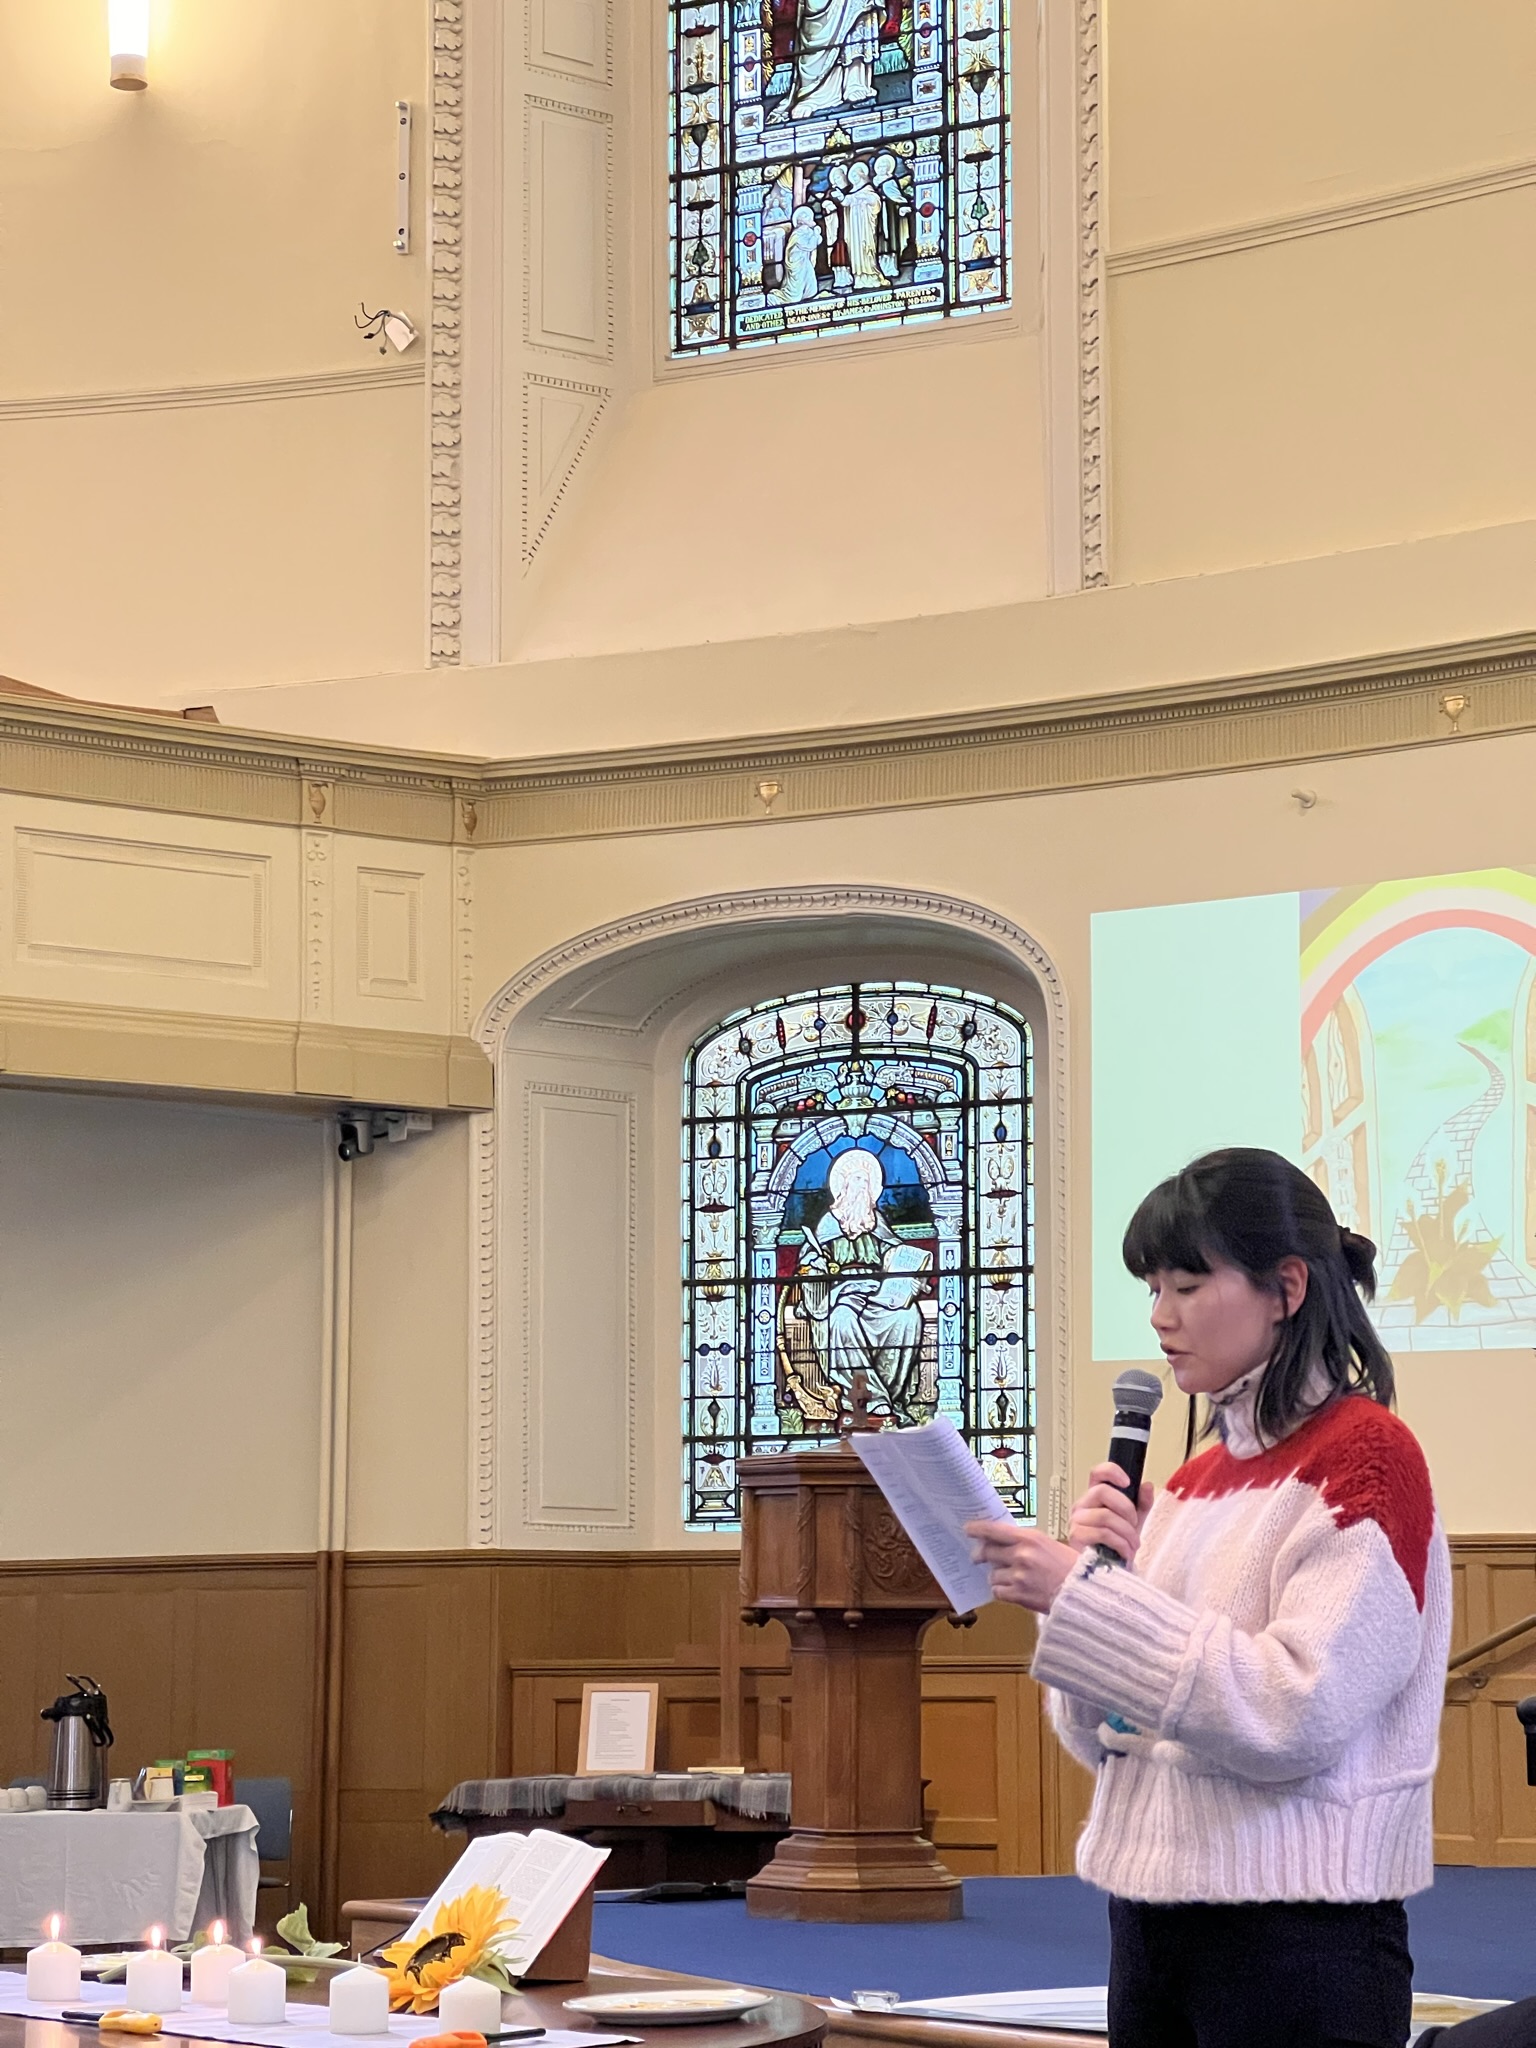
(835, 165)
(858, 1197)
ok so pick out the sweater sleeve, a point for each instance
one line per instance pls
(1076, 1723)
(1281, 1703)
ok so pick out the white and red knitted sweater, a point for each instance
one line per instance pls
(1261, 1694)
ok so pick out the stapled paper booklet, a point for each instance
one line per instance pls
(935, 1486)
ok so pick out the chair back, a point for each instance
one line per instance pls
(271, 1800)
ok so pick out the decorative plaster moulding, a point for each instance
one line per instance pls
(489, 1275)
(1092, 408)
(96, 754)
(445, 336)
(191, 397)
(1322, 220)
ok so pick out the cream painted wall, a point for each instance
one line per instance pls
(1301, 103)
(410, 1301)
(1334, 392)
(1435, 592)
(1344, 389)
(802, 493)
(154, 555)
(223, 224)
(1351, 391)
(160, 1266)
(220, 228)
(1048, 863)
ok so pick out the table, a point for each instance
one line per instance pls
(660, 1826)
(115, 1875)
(787, 2023)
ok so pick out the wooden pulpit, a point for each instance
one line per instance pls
(821, 1552)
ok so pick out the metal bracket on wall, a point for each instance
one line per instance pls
(403, 178)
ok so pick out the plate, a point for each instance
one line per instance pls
(670, 2008)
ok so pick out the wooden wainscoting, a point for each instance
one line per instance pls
(192, 1652)
(1484, 1810)
(377, 1683)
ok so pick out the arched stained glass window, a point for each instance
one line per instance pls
(858, 1196)
(836, 165)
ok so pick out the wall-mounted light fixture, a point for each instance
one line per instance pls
(128, 34)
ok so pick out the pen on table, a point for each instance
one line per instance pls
(469, 2038)
(119, 2020)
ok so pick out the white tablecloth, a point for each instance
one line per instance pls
(114, 1875)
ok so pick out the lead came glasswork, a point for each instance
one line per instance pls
(836, 165)
(858, 1195)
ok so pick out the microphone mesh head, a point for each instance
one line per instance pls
(1138, 1391)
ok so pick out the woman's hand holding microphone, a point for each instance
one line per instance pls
(1029, 1569)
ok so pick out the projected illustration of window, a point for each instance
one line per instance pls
(835, 166)
(1398, 1067)
(858, 1199)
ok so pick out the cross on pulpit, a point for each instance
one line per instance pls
(853, 1408)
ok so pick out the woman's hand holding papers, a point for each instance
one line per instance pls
(1027, 1568)
(1030, 1569)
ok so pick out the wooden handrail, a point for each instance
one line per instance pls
(1496, 1641)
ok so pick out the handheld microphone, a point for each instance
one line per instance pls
(1137, 1394)
(1526, 1709)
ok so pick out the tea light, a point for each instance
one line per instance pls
(469, 2006)
(360, 2003)
(154, 1976)
(212, 1967)
(53, 1969)
(257, 1993)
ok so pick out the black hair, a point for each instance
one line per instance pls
(1250, 1209)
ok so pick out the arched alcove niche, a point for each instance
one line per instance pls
(577, 1312)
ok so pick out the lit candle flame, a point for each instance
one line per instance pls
(255, 1944)
(55, 1925)
(216, 1933)
(156, 1936)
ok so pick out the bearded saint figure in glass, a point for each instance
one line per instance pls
(859, 1287)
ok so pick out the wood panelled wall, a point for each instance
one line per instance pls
(377, 1683)
(194, 1653)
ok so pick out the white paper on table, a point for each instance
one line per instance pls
(541, 1875)
(1084, 2009)
(934, 1487)
(1078, 2009)
(304, 2026)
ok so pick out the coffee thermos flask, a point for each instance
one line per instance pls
(82, 1735)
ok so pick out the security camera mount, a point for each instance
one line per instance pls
(359, 1130)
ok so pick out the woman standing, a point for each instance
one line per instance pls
(1259, 1695)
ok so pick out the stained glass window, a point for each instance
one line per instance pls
(858, 1197)
(835, 165)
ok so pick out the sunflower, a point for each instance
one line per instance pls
(460, 1942)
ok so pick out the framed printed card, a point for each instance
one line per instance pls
(618, 1730)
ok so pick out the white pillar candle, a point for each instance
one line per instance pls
(360, 2003)
(53, 1969)
(258, 1992)
(154, 1977)
(212, 1967)
(469, 2006)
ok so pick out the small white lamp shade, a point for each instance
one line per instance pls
(128, 34)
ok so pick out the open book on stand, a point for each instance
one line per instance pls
(546, 1880)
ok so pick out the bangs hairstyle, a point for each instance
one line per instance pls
(1251, 1209)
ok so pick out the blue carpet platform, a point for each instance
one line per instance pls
(1473, 1935)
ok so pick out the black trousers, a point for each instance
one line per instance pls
(1263, 1976)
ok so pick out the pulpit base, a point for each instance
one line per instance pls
(820, 1874)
